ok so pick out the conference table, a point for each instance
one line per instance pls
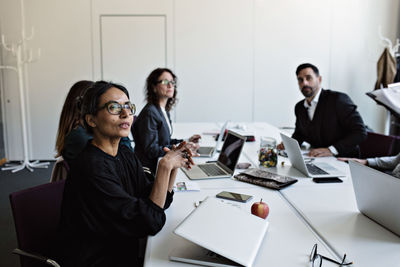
(301, 215)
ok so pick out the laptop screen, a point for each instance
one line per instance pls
(231, 150)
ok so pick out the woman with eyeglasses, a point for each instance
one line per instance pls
(108, 202)
(152, 129)
(71, 136)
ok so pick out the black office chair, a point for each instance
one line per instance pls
(36, 213)
(60, 170)
(379, 145)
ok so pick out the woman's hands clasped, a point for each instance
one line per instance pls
(193, 144)
(179, 156)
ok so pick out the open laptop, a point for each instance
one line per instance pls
(226, 163)
(209, 151)
(377, 195)
(220, 236)
(314, 170)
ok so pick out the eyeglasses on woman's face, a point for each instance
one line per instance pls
(316, 259)
(167, 82)
(115, 108)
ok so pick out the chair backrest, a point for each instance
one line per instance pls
(36, 213)
(60, 170)
(396, 146)
(378, 145)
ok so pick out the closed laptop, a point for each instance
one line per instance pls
(215, 225)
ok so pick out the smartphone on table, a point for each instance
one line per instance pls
(327, 180)
(234, 196)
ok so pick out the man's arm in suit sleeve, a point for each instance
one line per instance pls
(351, 122)
(298, 135)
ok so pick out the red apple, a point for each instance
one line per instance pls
(260, 209)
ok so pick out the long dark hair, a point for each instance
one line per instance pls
(91, 99)
(70, 114)
(151, 83)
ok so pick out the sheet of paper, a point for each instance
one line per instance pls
(389, 96)
(186, 186)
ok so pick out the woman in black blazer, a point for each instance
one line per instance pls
(152, 129)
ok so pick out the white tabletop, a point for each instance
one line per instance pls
(205, 129)
(301, 215)
(331, 210)
(288, 241)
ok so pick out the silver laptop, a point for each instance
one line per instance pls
(314, 170)
(209, 151)
(189, 252)
(377, 195)
(226, 163)
(223, 234)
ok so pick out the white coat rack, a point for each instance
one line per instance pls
(23, 56)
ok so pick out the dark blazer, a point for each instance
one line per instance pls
(151, 134)
(336, 122)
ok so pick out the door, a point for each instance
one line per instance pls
(131, 47)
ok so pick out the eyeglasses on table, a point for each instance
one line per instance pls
(316, 259)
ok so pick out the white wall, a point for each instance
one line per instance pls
(287, 34)
(235, 58)
(214, 60)
(63, 32)
(356, 47)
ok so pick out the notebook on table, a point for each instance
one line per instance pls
(313, 170)
(209, 151)
(220, 234)
(226, 163)
(377, 195)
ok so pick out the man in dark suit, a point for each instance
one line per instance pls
(326, 119)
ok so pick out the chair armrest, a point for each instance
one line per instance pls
(36, 257)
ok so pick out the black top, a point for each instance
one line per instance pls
(151, 134)
(336, 122)
(75, 142)
(106, 209)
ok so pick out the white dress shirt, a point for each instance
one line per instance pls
(166, 118)
(312, 106)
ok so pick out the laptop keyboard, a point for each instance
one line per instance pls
(212, 170)
(314, 170)
(205, 150)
